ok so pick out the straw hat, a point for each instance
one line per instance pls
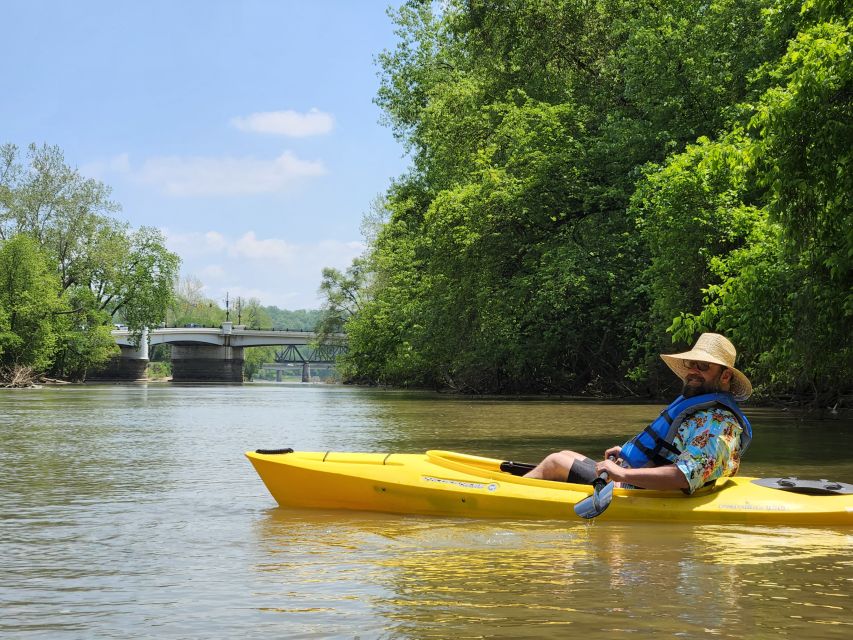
(712, 347)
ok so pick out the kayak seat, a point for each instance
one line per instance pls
(516, 468)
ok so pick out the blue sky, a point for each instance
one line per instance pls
(245, 130)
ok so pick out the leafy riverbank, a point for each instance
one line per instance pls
(595, 184)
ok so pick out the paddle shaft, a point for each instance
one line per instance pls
(602, 493)
(601, 480)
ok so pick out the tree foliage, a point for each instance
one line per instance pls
(91, 269)
(588, 175)
(190, 305)
(294, 320)
(786, 295)
(28, 304)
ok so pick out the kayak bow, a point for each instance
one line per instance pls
(444, 483)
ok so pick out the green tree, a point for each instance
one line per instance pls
(252, 314)
(693, 210)
(136, 285)
(343, 293)
(189, 305)
(586, 176)
(50, 201)
(785, 293)
(128, 274)
(30, 302)
(510, 260)
(254, 358)
(83, 337)
(297, 320)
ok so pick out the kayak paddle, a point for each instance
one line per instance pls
(597, 503)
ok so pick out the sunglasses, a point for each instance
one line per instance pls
(697, 364)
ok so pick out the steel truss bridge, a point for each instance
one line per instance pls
(307, 356)
(302, 353)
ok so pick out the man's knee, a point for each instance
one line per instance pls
(565, 458)
(558, 464)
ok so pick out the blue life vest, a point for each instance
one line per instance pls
(653, 447)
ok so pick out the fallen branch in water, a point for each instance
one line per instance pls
(17, 376)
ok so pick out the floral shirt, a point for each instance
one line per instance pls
(709, 442)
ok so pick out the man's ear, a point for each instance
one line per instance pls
(726, 376)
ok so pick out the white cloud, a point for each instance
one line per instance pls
(214, 240)
(286, 123)
(276, 271)
(211, 272)
(226, 176)
(267, 250)
(195, 244)
(100, 168)
(211, 175)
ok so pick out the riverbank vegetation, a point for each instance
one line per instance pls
(69, 270)
(594, 183)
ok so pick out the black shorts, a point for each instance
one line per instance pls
(582, 471)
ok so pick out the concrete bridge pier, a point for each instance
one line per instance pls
(306, 372)
(207, 363)
(130, 364)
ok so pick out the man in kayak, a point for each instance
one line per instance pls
(698, 438)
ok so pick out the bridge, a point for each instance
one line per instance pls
(306, 356)
(214, 354)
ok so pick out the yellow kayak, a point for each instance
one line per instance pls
(444, 483)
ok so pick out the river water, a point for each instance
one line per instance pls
(131, 512)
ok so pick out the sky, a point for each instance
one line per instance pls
(244, 130)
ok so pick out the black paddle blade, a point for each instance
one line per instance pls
(597, 503)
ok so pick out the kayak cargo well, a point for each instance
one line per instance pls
(811, 487)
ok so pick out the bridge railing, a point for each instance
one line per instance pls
(193, 325)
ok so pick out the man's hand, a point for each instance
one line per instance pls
(663, 478)
(616, 452)
(614, 471)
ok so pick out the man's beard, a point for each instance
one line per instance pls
(690, 390)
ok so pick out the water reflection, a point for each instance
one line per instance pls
(762, 545)
(440, 578)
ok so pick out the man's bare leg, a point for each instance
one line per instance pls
(555, 466)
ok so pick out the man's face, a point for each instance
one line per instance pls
(703, 377)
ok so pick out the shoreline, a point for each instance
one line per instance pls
(785, 402)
